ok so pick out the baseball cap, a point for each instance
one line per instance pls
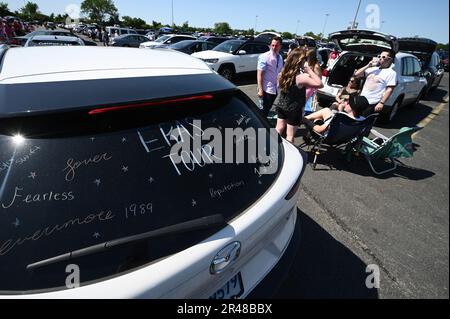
(358, 103)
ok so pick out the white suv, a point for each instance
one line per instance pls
(359, 47)
(94, 203)
(165, 40)
(234, 57)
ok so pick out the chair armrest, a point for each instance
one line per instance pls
(378, 135)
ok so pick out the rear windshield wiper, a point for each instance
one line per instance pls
(196, 224)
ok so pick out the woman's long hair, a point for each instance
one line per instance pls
(312, 58)
(294, 63)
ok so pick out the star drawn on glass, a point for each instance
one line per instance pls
(211, 175)
(194, 203)
(125, 169)
(124, 140)
(96, 235)
(92, 139)
(32, 175)
(16, 223)
(98, 182)
(259, 182)
(151, 180)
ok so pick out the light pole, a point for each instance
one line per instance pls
(382, 22)
(324, 26)
(296, 29)
(173, 23)
(356, 15)
(256, 23)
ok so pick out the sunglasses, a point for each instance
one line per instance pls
(383, 57)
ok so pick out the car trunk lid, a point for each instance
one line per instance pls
(364, 41)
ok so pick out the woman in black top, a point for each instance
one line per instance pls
(294, 78)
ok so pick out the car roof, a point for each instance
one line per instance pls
(72, 78)
(85, 61)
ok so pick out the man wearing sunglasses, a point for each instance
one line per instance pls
(381, 80)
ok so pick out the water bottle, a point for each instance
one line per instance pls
(261, 103)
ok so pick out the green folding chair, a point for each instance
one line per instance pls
(388, 149)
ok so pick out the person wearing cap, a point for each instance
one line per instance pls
(320, 121)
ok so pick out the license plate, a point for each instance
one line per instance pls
(233, 289)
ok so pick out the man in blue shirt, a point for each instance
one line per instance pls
(269, 66)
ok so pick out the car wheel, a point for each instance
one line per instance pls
(389, 116)
(227, 72)
(419, 98)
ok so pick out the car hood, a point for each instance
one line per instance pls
(150, 44)
(210, 54)
(420, 45)
(364, 41)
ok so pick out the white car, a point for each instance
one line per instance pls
(106, 194)
(233, 57)
(165, 40)
(359, 48)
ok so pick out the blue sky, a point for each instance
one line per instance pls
(400, 17)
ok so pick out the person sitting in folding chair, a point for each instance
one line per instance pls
(320, 121)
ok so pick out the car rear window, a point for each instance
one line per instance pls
(69, 182)
(38, 43)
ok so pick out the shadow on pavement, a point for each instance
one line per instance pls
(410, 116)
(324, 268)
(332, 159)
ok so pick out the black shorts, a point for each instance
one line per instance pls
(293, 118)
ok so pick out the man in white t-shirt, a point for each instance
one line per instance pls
(381, 80)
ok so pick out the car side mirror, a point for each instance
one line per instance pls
(242, 52)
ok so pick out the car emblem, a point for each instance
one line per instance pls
(225, 257)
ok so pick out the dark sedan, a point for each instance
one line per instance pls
(192, 46)
(129, 40)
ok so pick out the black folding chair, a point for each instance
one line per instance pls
(343, 131)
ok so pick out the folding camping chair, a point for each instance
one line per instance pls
(343, 131)
(384, 148)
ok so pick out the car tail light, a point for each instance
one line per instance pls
(146, 104)
(326, 73)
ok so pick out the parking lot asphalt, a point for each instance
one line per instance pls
(399, 222)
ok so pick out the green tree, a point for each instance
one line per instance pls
(136, 23)
(442, 46)
(156, 25)
(222, 28)
(99, 11)
(30, 10)
(287, 35)
(4, 11)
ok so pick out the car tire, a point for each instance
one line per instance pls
(389, 116)
(419, 98)
(227, 72)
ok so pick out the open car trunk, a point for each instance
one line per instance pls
(346, 66)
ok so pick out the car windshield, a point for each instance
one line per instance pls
(103, 192)
(350, 42)
(182, 44)
(162, 39)
(229, 46)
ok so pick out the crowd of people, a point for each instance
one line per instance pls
(9, 29)
(290, 84)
